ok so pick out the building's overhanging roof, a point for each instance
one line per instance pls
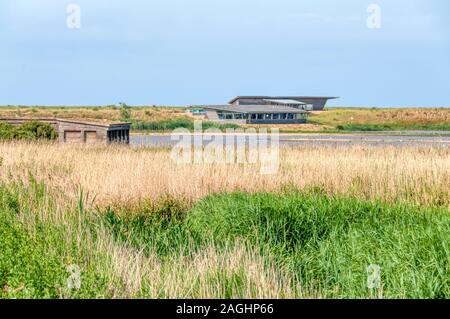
(93, 122)
(255, 109)
(285, 101)
(29, 119)
(284, 98)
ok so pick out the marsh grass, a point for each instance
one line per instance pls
(382, 119)
(291, 245)
(40, 239)
(138, 225)
(330, 241)
(124, 176)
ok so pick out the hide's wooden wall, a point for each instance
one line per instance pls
(76, 132)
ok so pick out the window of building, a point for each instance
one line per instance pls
(276, 116)
(260, 116)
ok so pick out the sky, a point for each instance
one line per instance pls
(185, 52)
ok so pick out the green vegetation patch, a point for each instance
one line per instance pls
(27, 270)
(170, 125)
(327, 243)
(35, 255)
(33, 130)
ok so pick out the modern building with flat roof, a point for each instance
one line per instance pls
(307, 103)
(255, 114)
(266, 109)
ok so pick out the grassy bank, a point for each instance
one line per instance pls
(110, 112)
(163, 119)
(294, 245)
(378, 119)
(391, 127)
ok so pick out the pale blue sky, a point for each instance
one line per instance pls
(180, 52)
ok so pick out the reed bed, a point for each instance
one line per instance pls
(139, 225)
(120, 175)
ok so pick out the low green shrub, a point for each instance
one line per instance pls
(33, 130)
(125, 112)
(7, 131)
(365, 127)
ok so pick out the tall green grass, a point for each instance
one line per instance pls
(328, 242)
(323, 243)
(170, 125)
(35, 253)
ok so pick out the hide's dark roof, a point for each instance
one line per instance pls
(94, 122)
(284, 98)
